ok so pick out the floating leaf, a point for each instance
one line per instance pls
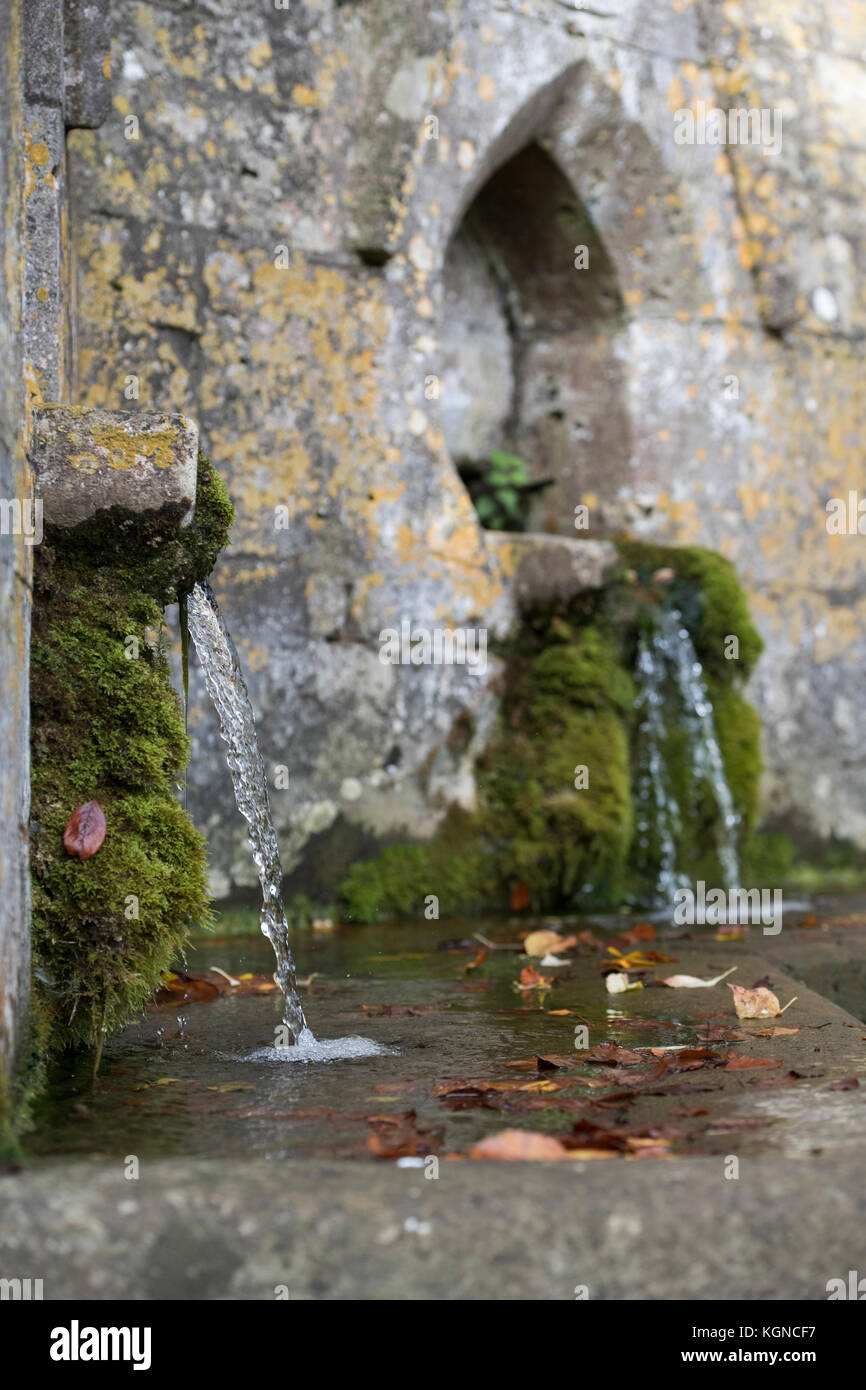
(620, 984)
(85, 830)
(540, 943)
(530, 979)
(692, 981)
(749, 1063)
(519, 1144)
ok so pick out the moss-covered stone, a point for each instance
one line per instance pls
(106, 725)
(569, 703)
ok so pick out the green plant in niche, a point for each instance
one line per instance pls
(499, 488)
(499, 505)
(106, 724)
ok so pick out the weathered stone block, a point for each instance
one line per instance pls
(86, 461)
(552, 568)
(86, 60)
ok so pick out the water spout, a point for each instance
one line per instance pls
(667, 657)
(228, 691)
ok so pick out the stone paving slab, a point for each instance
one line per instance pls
(343, 1230)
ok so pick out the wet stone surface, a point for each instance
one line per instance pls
(204, 1078)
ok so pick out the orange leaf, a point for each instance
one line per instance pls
(520, 1144)
(748, 1063)
(518, 897)
(85, 830)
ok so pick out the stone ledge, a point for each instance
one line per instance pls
(543, 569)
(331, 1230)
(86, 461)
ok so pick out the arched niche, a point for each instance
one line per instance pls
(532, 339)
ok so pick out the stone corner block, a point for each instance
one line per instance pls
(545, 568)
(86, 461)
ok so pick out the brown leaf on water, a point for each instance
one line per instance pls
(530, 979)
(398, 1136)
(610, 1054)
(479, 959)
(751, 1063)
(850, 1083)
(519, 1144)
(539, 943)
(687, 1058)
(85, 830)
(641, 931)
(722, 1032)
(774, 1032)
(180, 988)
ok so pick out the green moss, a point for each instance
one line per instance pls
(564, 707)
(569, 703)
(738, 728)
(106, 725)
(709, 595)
(454, 868)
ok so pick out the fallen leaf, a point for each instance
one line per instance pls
(85, 830)
(518, 897)
(692, 981)
(609, 1054)
(479, 959)
(180, 988)
(722, 1032)
(398, 1136)
(750, 1063)
(850, 1083)
(530, 979)
(540, 943)
(636, 960)
(621, 984)
(641, 931)
(756, 1003)
(519, 1144)
(233, 1086)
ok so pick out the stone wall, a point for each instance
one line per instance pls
(267, 235)
(14, 569)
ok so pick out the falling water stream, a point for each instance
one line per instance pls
(668, 655)
(228, 691)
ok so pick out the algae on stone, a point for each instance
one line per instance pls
(106, 724)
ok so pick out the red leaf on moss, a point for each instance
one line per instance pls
(518, 897)
(85, 830)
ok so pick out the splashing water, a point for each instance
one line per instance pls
(669, 655)
(228, 691)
